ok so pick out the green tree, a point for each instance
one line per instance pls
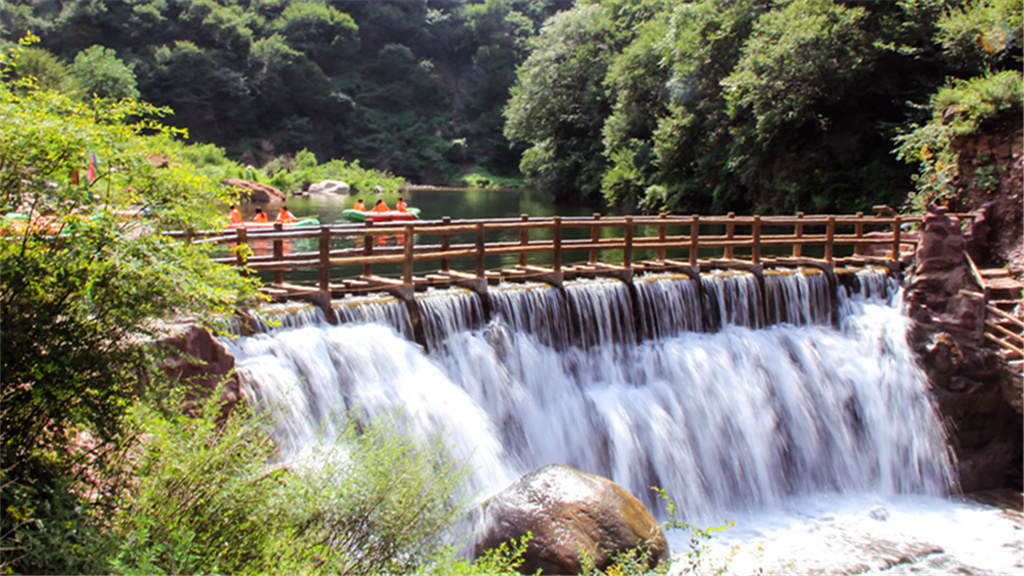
(668, 137)
(207, 498)
(324, 34)
(100, 72)
(558, 105)
(81, 289)
(983, 35)
(48, 71)
(800, 67)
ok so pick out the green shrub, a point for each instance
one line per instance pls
(206, 500)
(970, 103)
(961, 108)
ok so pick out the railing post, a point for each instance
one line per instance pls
(240, 253)
(595, 237)
(407, 263)
(661, 237)
(325, 258)
(730, 231)
(694, 239)
(896, 238)
(627, 251)
(278, 253)
(830, 238)
(756, 240)
(446, 245)
(858, 232)
(798, 233)
(556, 255)
(368, 249)
(524, 239)
(480, 250)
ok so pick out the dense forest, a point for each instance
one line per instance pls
(702, 106)
(411, 87)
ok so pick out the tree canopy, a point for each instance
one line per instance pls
(414, 87)
(693, 106)
(714, 105)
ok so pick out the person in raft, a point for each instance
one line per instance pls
(381, 207)
(260, 217)
(401, 206)
(235, 215)
(360, 206)
(284, 216)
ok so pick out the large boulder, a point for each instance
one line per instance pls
(328, 188)
(254, 191)
(570, 513)
(201, 363)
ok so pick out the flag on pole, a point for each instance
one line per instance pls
(90, 172)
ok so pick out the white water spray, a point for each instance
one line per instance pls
(737, 419)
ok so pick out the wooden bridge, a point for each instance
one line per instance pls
(402, 258)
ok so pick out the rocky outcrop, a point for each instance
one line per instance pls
(328, 188)
(570, 513)
(201, 363)
(967, 378)
(941, 285)
(990, 171)
(253, 191)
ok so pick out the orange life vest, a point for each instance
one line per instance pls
(261, 217)
(382, 207)
(236, 216)
(285, 217)
(360, 206)
(401, 206)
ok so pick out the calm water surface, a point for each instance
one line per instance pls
(434, 205)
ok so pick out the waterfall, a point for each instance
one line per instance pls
(727, 400)
(374, 309)
(799, 298)
(448, 312)
(731, 297)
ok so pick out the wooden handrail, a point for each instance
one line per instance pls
(445, 240)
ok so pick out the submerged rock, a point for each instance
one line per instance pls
(571, 516)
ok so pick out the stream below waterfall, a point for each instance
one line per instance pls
(803, 419)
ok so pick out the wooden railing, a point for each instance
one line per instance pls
(608, 243)
(1005, 331)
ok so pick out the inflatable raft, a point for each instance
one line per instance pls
(300, 223)
(389, 216)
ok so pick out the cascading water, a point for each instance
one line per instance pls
(731, 297)
(798, 298)
(771, 405)
(376, 309)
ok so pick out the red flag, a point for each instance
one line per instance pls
(90, 173)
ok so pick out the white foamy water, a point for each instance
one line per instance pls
(865, 534)
(775, 419)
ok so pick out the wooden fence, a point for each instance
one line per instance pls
(600, 245)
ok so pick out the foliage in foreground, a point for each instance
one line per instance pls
(205, 500)
(84, 280)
